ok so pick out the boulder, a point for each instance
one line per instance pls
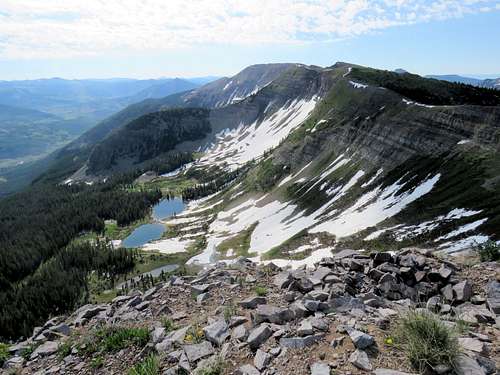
(258, 336)
(360, 359)
(217, 332)
(381, 257)
(253, 302)
(360, 339)
(320, 274)
(462, 291)
(158, 335)
(273, 314)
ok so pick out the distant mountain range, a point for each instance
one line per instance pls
(488, 83)
(40, 116)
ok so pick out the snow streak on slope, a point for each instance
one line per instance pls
(250, 141)
(278, 221)
(374, 207)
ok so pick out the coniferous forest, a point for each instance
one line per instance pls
(42, 271)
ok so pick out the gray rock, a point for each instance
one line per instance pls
(346, 253)
(250, 279)
(447, 293)
(273, 314)
(489, 366)
(149, 294)
(337, 341)
(320, 324)
(360, 339)
(299, 310)
(134, 301)
(195, 352)
(240, 333)
(468, 366)
(434, 304)
(462, 291)
(46, 349)
(445, 272)
(299, 342)
(305, 329)
(258, 336)
(283, 279)
(142, 306)
(217, 332)
(178, 335)
(320, 274)
(84, 313)
(14, 363)
(200, 288)
(493, 299)
(237, 320)
(317, 295)
(474, 314)
(158, 335)
(320, 368)
(200, 298)
(473, 345)
(360, 359)
(262, 360)
(247, 370)
(253, 302)
(184, 363)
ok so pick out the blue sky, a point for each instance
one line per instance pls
(155, 38)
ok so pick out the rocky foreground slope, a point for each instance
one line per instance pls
(243, 318)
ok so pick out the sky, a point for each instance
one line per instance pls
(187, 38)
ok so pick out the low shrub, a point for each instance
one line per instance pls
(488, 251)
(4, 353)
(426, 340)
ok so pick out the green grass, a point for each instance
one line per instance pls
(426, 340)
(168, 324)
(230, 310)
(64, 349)
(150, 366)
(172, 186)
(261, 291)
(240, 243)
(97, 362)
(111, 339)
(4, 353)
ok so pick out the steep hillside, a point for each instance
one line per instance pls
(72, 157)
(362, 166)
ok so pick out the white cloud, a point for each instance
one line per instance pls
(55, 28)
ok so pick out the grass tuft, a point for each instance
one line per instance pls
(261, 291)
(426, 340)
(114, 338)
(150, 366)
(215, 367)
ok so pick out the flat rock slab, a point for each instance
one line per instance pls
(360, 359)
(258, 336)
(247, 370)
(197, 351)
(320, 368)
(299, 342)
(273, 314)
